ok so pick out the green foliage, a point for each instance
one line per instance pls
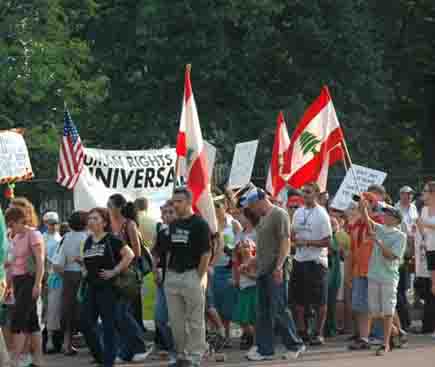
(120, 65)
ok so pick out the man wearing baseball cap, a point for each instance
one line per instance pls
(383, 276)
(273, 250)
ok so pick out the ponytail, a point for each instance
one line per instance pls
(129, 211)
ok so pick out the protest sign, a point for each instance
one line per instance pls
(348, 188)
(210, 150)
(14, 158)
(134, 174)
(243, 163)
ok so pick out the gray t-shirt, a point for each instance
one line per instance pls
(271, 230)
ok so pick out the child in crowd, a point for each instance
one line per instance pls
(245, 279)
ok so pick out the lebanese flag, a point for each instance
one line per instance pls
(316, 144)
(276, 180)
(192, 159)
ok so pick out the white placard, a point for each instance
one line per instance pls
(14, 158)
(243, 164)
(134, 174)
(348, 188)
(210, 150)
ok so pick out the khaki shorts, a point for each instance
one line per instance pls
(382, 298)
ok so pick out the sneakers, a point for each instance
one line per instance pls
(317, 340)
(138, 358)
(257, 357)
(294, 354)
(359, 345)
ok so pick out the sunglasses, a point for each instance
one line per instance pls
(308, 192)
(294, 207)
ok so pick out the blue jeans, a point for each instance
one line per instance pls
(161, 318)
(131, 335)
(273, 314)
(118, 326)
(100, 302)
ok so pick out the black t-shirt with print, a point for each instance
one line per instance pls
(189, 240)
(97, 256)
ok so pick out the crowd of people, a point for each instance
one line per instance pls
(338, 272)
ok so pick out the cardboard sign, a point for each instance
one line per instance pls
(348, 188)
(14, 158)
(243, 164)
(134, 174)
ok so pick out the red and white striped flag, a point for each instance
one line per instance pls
(71, 155)
(316, 144)
(276, 180)
(192, 158)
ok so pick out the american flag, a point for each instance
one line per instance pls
(71, 155)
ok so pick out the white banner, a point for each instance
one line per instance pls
(14, 158)
(243, 164)
(134, 174)
(348, 188)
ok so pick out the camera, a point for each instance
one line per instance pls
(356, 198)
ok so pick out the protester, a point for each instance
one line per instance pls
(423, 282)
(70, 269)
(146, 224)
(273, 250)
(53, 299)
(383, 276)
(189, 247)
(312, 234)
(104, 258)
(426, 226)
(334, 280)
(4, 355)
(161, 316)
(52, 236)
(123, 217)
(361, 251)
(224, 293)
(410, 215)
(27, 270)
(245, 281)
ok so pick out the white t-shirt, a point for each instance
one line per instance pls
(429, 234)
(312, 224)
(410, 216)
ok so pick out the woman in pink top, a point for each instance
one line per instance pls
(27, 282)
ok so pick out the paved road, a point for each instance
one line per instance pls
(419, 353)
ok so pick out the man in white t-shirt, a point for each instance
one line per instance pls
(312, 235)
(409, 211)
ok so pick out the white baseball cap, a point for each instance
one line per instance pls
(406, 190)
(51, 217)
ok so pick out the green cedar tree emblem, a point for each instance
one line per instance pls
(309, 143)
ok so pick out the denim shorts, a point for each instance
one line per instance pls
(360, 295)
